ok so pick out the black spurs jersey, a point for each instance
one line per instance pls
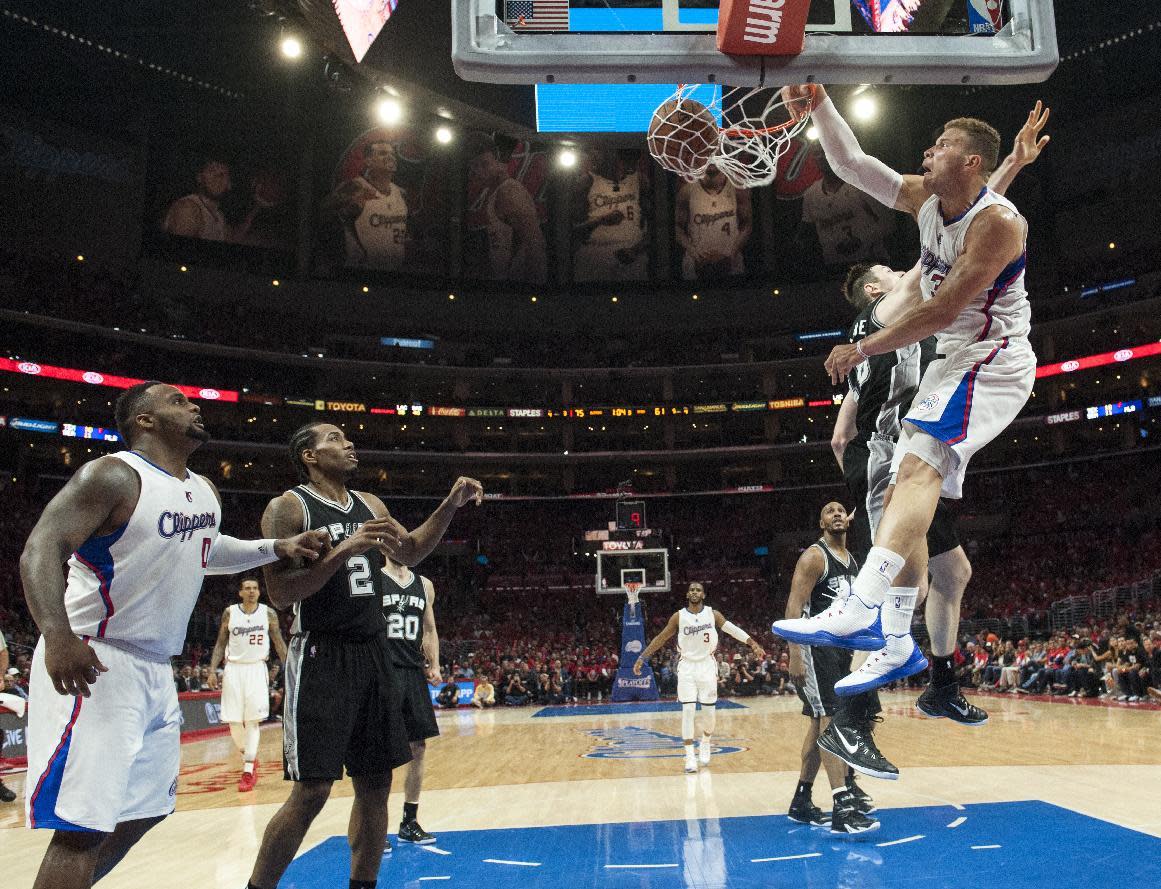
(350, 603)
(836, 581)
(403, 607)
(885, 384)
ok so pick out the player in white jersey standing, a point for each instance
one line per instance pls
(696, 628)
(139, 532)
(611, 242)
(972, 285)
(245, 635)
(712, 223)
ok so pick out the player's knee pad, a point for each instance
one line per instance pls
(688, 711)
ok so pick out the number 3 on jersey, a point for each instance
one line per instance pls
(359, 576)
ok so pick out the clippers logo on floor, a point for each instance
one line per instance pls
(633, 742)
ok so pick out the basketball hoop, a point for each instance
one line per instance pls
(633, 591)
(754, 127)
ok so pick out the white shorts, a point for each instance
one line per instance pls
(964, 401)
(697, 682)
(114, 756)
(245, 692)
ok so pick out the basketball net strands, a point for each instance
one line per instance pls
(743, 133)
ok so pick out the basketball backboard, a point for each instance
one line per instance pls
(674, 41)
(649, 567)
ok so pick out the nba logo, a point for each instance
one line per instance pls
(984, 16)
(898, 602)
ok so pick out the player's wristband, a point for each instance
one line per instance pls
(859, 349)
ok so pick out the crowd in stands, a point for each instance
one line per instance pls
(517, 604)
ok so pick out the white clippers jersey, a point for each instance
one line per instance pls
(1000, 311)
(249, 635)
(713, 219)
(697, 637)
(605, 196)
(136, 587)
(376, 238)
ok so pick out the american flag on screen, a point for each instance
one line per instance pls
(536, 15)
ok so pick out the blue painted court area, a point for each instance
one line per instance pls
(1024, 845)
(625, 709)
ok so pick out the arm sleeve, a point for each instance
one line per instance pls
(848, 160)
(232, 556)
(737, 632)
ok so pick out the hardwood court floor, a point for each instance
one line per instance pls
(508, 769)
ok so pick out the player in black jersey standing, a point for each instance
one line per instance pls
(341, 707)
(409, 606)
(824, 572)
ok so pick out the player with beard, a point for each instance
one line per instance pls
(697, 673)
(341, 708)
(139, 531)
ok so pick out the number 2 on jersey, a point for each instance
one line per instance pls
(359, 576)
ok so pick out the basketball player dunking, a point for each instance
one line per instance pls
(880, 394)
(712, 223)
(972, 280)
(824, 572)
(139, 532)
(409, 606)
(245, 635)
(341, 708)
(696, 628)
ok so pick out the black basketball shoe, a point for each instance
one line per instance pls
(863, 800)
(7, 795)
(856, 747)
(804, 811)
(846, 817)
(947, 701)
(411, 832)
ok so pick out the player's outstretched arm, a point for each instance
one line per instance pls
(660, 639)
(97, 501)
(994, 241)
(848, 160)
(293, 579)
(414, 546)
(1025, 150)
(736, 632)
(219, 652)
(809, 569)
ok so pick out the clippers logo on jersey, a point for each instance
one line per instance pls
(932, 263)
(928, 403)
(709, 218)
(694, 629)
(171, 524)
(246, 631)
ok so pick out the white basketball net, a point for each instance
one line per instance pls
(756, 128)
(633, 591)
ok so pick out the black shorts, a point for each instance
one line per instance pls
(341, 709)
(942, 536)
(415, 703)
(855, 459)
(824, 667)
